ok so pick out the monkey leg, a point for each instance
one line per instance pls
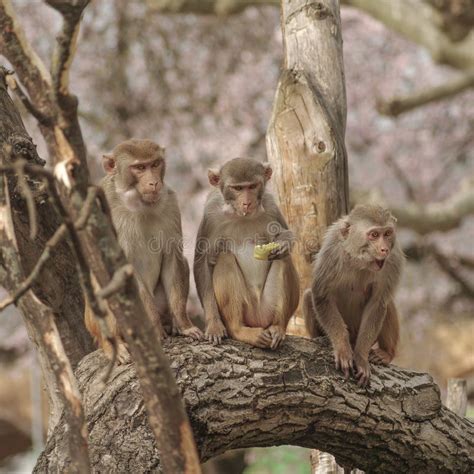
(388, 337)
(234, 300)
(280, 298)
(310, 321)
(175, 280)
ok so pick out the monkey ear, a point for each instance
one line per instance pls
(267, 171)
(214, 177)
(108, 162)
(345, 227)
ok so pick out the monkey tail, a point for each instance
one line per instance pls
(310, 315)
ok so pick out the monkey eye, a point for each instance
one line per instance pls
(373, 235)
(253, 186)
(155, 164)
(388, 233)
(139, 167)
(238, 188)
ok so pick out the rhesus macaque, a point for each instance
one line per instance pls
(351, 299)
(147, 219)
(248, 299)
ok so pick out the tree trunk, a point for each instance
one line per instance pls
(238, 396)
(305, 137)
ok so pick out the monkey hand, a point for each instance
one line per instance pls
(282, 251)
(344, 358)
(215, 331)
(361, 370)
(272, 337)
(192, 331)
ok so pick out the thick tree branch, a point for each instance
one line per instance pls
(399, 105)
(238, 396)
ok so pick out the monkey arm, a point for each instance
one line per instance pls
(330, 319)
(372, 321)
(203, 269)
(278, 229)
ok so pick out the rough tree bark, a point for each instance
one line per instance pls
(305, 137)
(237, 396)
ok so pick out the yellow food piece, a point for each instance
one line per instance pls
(261, 252)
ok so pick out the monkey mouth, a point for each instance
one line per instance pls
(379, 263)
(150, 198)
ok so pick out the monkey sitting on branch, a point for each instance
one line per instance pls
(147, 219)
(351, 300)
(255, 298)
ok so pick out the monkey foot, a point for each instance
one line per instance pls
(271, 337)
(379, 356)
(123, 356)
(215, 332)
(193, 332)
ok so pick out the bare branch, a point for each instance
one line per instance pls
(16, 48)
(52, 242)
(66, 43)
(448, 266)
(420, 22)
(398, 105)
(21, 94)
(401, 176)
(26, 285)
(456, 399)
(117, 282)
(200, 7)
(425, 218)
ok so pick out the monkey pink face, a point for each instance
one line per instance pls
(380, 243)
(148, 178)
(242, 184)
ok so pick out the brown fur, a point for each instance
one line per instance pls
(248, 299)
(351, 299)
(149, 232)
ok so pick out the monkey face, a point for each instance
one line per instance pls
(380, 241)
(147, 176)
(368, 245)
(137, 168)
(242, 184)
(243, 198)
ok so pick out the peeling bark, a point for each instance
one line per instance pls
(237, 397)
